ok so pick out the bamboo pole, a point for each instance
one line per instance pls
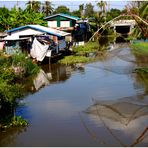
(132, 15)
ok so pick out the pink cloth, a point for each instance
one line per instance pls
(1, 45)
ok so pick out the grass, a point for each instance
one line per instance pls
(80, 54)
(73, 59)
(87, 48)
(140, 48)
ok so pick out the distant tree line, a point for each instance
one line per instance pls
(36, 11)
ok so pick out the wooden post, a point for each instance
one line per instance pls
(49, 60)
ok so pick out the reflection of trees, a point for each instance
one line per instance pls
(54, 73)
(58, 72)
(142, 79)
(123, 114)
(9, 137)
(105, 41)
(141, 59)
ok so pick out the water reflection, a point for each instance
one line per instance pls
(141, 81)
(53, 112)
(6, 137)
(126, 115)
(49, 74)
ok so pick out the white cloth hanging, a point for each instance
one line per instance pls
(38, 50)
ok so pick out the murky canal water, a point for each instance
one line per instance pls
(102, 104)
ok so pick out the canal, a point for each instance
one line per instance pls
(99, 104)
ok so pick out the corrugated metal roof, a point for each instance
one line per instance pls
(63, 15)
(43, 29)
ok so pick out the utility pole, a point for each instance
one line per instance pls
(17, 4)
(108, 6)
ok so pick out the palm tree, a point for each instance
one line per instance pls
(143, 11)
(102, 6)
(141, 29)
(47, 8)
(34, 5)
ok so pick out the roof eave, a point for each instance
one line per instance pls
(48, 17)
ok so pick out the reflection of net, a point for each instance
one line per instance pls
(127, 57)
(124, 109)
(121, 111)
(119, 61)
(117, 69)
(123, 54)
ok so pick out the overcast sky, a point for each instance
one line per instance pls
(71, 4)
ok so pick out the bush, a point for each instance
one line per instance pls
(11, 69)
(7, 74)
(24, 65)
(9, 92)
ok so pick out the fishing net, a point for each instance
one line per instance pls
(119, 61)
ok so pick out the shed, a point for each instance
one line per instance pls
(62, 21)
(29, 32)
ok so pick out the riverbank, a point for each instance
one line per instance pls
(13, 70)
(140, 50)
(58, 111)
(83, 54)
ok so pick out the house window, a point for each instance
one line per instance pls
(65, 24)
(52, 23)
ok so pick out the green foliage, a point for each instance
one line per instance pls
(7, 74)
(62, 9)
(9, 92)
(68, 60)
(76, 13)
(17, 17)
(89, 10)
(141, 29)
(112, 14)
(141, 70)
(25, 64)
(11, 70)
(80, 54)
(18, 121)
(140, 48)
(11, 121)
(87, 48)
(47, 8)
(34, 5)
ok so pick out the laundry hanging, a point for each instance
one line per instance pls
(38, 50)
